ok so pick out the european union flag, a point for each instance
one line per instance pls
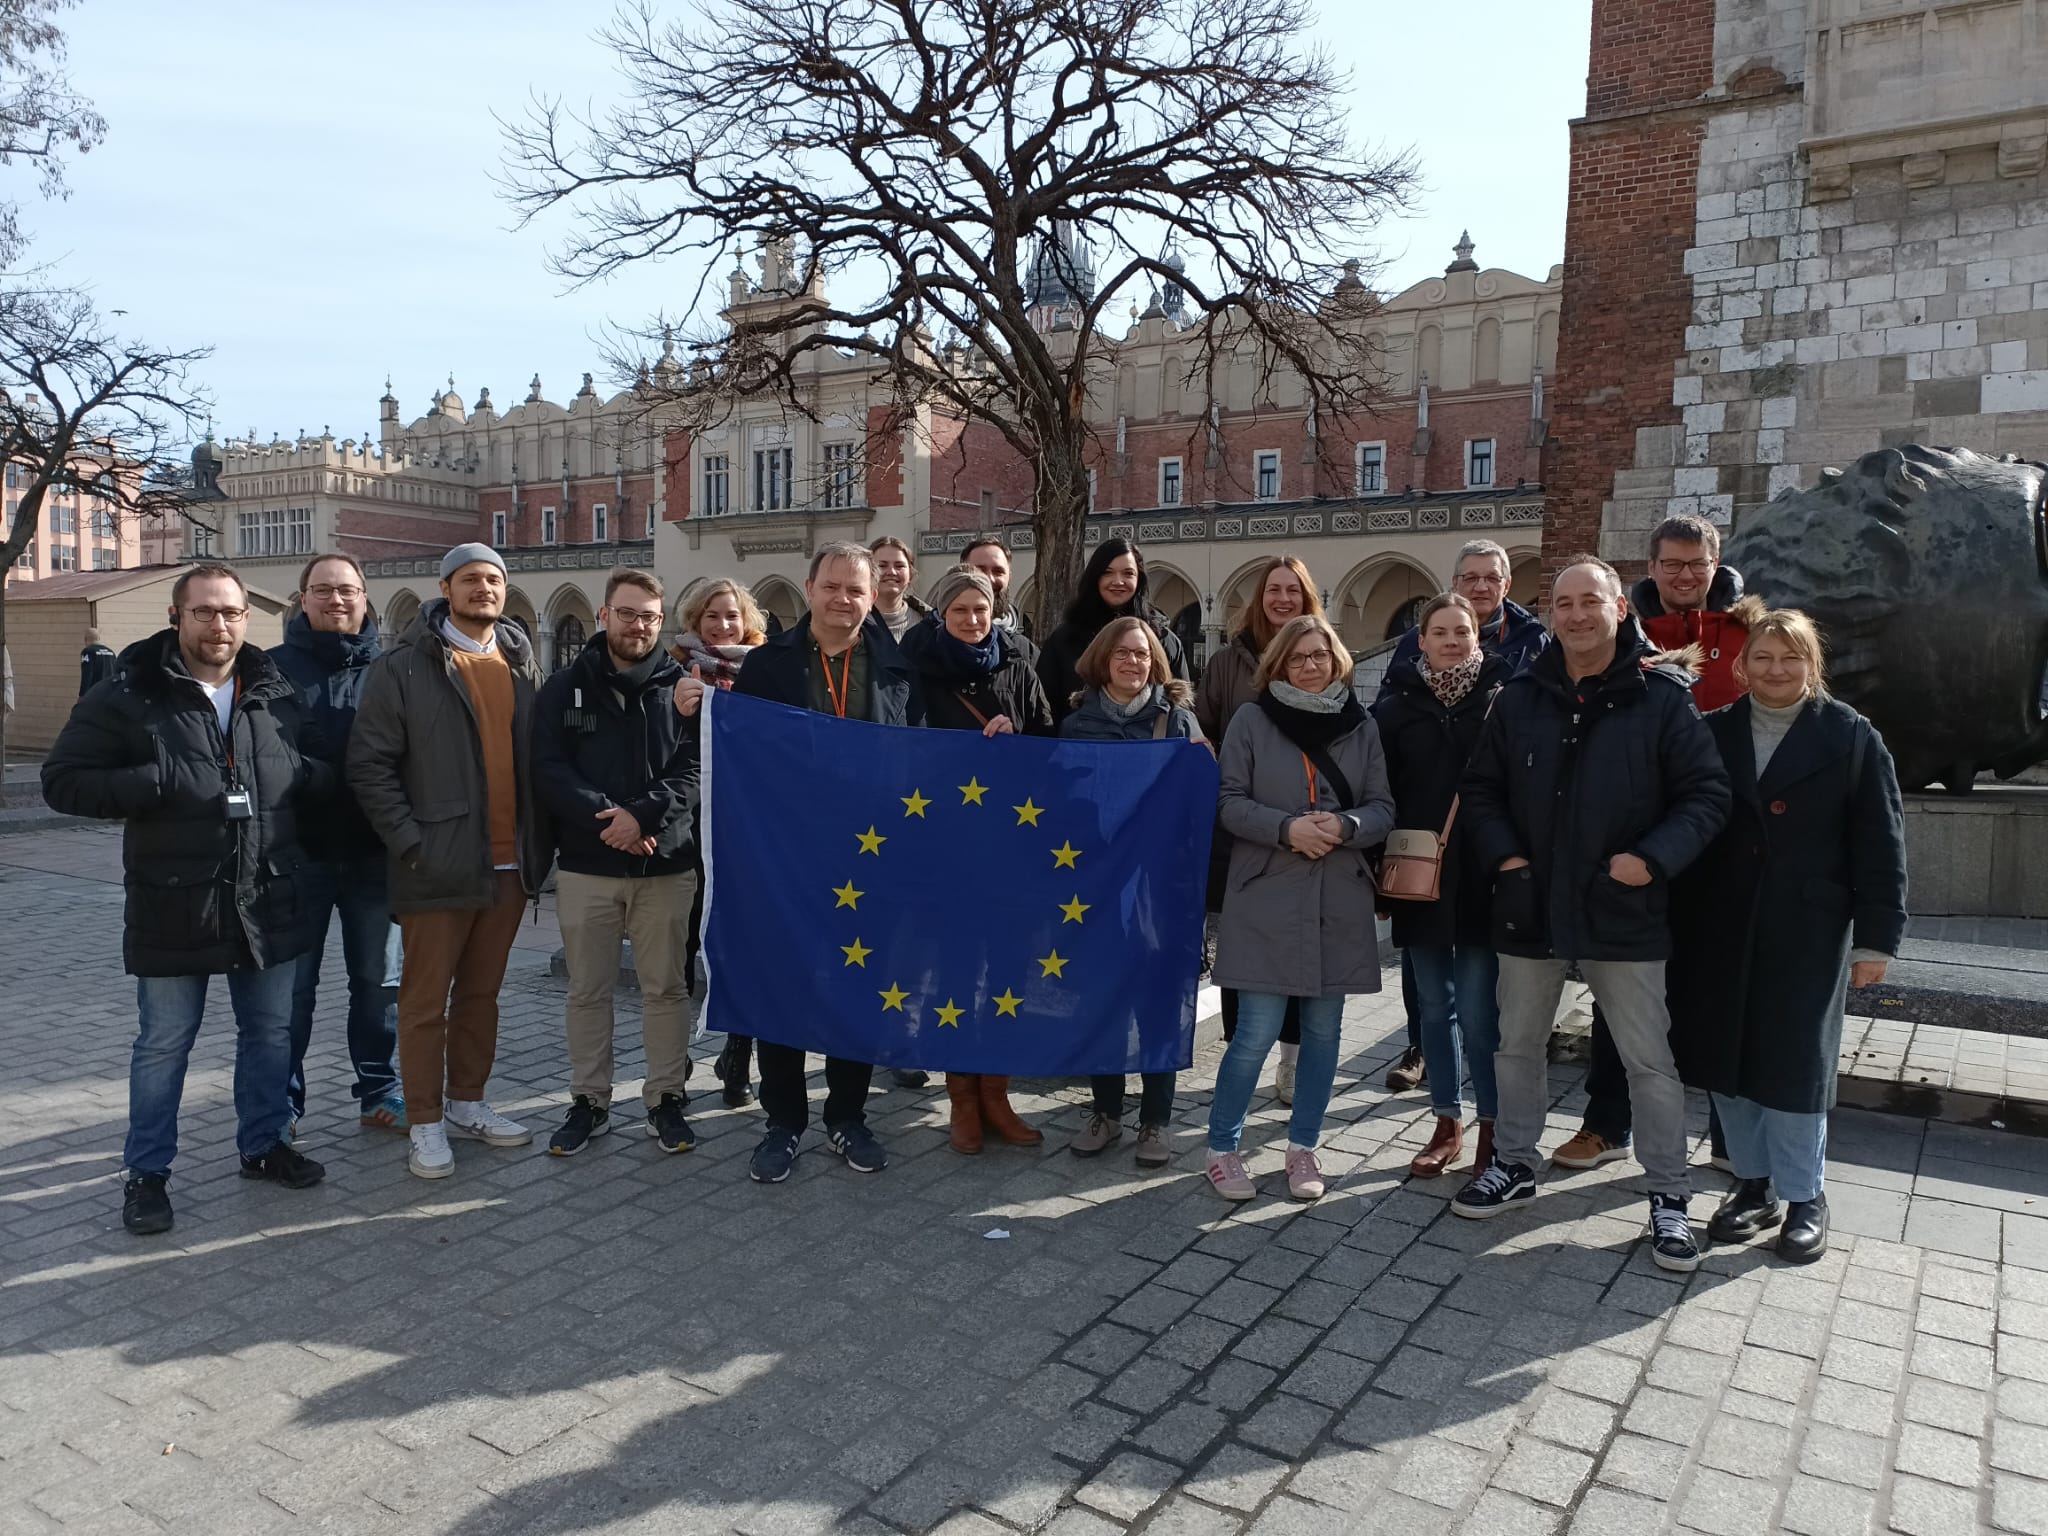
(943, 900)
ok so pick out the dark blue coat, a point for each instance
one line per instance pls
(1515, 635)
(328, 672)
(1566, 775)
(779, 670)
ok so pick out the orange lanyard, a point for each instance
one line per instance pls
(1310, 769)
(844, 688)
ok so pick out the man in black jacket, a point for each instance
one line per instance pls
(1593, 786)
(194, 743)
(95, 663)
(616, 768)
(838, 660)
(327, 651)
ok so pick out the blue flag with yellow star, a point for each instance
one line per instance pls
(940, 899)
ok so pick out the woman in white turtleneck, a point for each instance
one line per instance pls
(1802, 895)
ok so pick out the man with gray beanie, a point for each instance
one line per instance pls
(439, 763)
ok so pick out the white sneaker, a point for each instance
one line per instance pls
(479, 1122)
(1283, 1080)
(430, 1157)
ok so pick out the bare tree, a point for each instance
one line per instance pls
(85, 412)
(41, 117)
(948, 164)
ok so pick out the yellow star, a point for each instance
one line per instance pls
(914, 803)
(1053, 964)
(848, 896)
(1007, 1003)
(871, 841)
(1027, 813)
(972, 791)
(1074, 909)
(1063, 857)
(949, 1016)
(856, 953)
(893, 998)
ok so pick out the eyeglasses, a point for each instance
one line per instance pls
(327, 593)
(1680, 567)
(1143, 656)
(1479, 579)
(208, 615)
(1303, 661)
(644, 618)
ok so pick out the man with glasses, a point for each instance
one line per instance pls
(616, 769)
(327, 651)
(194, 743)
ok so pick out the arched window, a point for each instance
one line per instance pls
(569, 640)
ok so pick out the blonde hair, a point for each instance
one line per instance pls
(1255, 622)
(1793, 628)
(754, 628)
(1273, 661)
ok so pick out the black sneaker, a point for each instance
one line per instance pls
(587, 1118)
(146, 1204)
(284, 1164)
(773, 1159)
(1672, 1245)
(857, 1144)
(909, 1077)
(1500, 1186)
(665, 1123)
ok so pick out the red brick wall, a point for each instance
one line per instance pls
(1629, 221)
(882, 471)
(571, 526)
(675, 464)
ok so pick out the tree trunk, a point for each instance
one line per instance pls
(6, 716)
(1059, 519)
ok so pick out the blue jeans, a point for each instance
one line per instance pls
(1315, 1072)
(370, 950)
(170, 1007)
(1785, 1146)
(1457, 999)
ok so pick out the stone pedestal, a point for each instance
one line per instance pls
(1984, 854)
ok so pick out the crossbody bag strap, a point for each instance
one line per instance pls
(1327, 766)
(1443, 839)
(1160, 724)
(968, 705)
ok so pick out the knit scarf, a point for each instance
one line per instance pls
(956, 658)
(1453, 683)
(1312, 720)
(716, 664)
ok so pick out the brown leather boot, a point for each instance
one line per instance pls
(1482, 1153)
(964, 1090)
(1000, 1119)
(1442, 1150)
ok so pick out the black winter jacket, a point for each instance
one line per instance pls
(205, 895)
(1012, 689)
(1060, 657)
(779, 670)
(593, 750)
(1427, 747)
(1566, 776)
(328, 672)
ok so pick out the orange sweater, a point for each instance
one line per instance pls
(489, 681)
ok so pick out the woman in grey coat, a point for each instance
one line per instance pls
(1304, 795)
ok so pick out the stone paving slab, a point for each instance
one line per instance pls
(630, 1342)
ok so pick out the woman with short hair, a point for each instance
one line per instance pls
(1128, 693)
(1304, 795)
(1113, 586)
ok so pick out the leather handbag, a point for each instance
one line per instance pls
(1412, 868)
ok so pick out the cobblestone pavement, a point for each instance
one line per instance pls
(625, 1341)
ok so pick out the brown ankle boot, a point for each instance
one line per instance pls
(1442, 1150)
(964, 1090)
(1482, 1148)
(1000, 1119)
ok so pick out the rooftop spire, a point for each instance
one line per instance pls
(1463, 250)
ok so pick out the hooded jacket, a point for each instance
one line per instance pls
(597, 744)
(416, 766)
(205, 894)
(1712, 628)
(1514, 634)
(1568, 774)
(328, 671)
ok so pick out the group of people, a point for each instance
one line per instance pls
(1713, 880)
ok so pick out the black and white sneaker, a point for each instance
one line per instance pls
(857, 1145)
(587, 1118)
(1500, 1186)
(665, 1123)
(1672, 1244)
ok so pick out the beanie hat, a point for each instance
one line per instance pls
(960, 579)
(470, 554)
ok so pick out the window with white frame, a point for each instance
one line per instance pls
(547, 525)
(988, 509)
(63, 517)
(299, 530)
(600, 524)
(1266, 475)
(1478, 461)
(103, 525)
(773, 470)
(202, 541)
(1091, 490)
(26, 560)
(1371, 479)
(1169, 482)
(106, 559)
(498, 530)
(63, 557)
(650, 519)
(717, 497)
(842, 475)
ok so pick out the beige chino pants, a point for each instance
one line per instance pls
(595, 912)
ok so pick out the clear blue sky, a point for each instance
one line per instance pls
(307, 188)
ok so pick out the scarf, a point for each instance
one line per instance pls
(716, 664)
(630, 680)
(956, 658)
(1453, 683)
(1312, 720)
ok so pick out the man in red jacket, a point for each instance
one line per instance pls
(1683, 601)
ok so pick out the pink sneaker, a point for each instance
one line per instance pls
(1304, 1175)
(1226, 1172)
